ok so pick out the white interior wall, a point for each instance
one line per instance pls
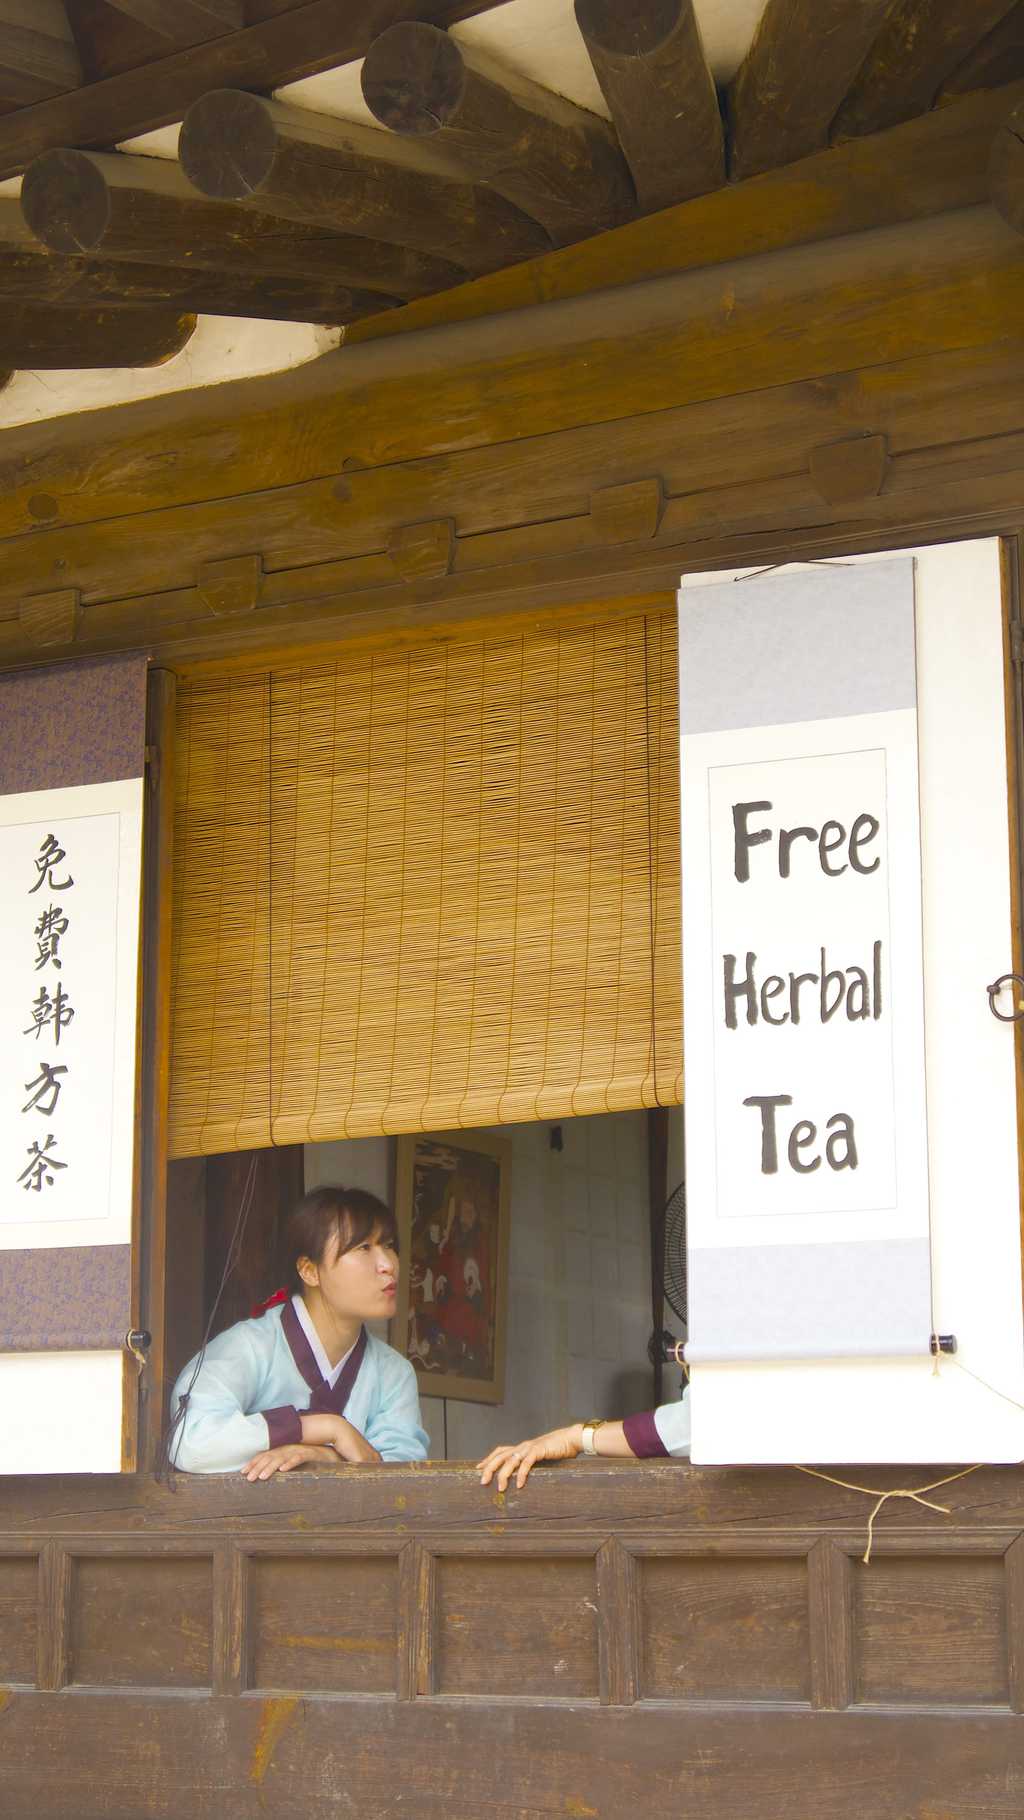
(579, 1304)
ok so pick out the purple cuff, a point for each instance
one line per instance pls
(285, 1425)
(642, 1436)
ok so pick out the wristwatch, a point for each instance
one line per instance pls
(588, 1432)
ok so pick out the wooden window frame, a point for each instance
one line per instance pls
(144, 1416)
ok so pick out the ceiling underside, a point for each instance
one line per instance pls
(339, 160)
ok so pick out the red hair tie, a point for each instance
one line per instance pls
(272, 1301)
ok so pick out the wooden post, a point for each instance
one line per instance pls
(35, 337)
(113, 205)
(150, 1238)
(784, 97)
(352, 179)
(649, 60)
(558, 163)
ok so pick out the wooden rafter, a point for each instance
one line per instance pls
(31, 274)
(784, 97)
(143, 210)
(37, 336)
(558, 163)
(998, 59)
(38, 58)
(314, 36)
(649, 60)
(355, 179)
(920, 44)
(184, 21)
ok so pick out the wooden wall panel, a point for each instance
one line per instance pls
(724, 1629)
(517, 1627)
(329, 1622)
(931, 1629)
(19, 1593)
(141, 1622)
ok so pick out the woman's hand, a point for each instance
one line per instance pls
(347, 1442)
(560, 1444)
(285, 1459)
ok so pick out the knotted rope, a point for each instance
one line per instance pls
(882, 1497)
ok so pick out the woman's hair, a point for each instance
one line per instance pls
(351, 1213)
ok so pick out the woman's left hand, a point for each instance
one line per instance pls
(285, 1459)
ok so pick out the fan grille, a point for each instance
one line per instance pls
(674, 1272)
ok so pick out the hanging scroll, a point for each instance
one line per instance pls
(71, 770)
(803, 979)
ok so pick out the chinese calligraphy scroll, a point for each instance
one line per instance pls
(71, 770)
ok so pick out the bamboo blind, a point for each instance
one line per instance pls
(429, 888)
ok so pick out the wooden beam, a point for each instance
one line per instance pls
(1007, 169)
(30, 274)
(558, 163)
(136, 572)
(307, 38)
(38, 58)
(51, 619)
(118, 206)
(649, 60)
(920, 44)
(184, 21)
(355, 179)
(998, 59)
(784, 97)
(954, 283)
(925, 167)
(34, 337)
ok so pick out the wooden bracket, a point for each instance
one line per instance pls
(51, 619)
(423, 552)
(853, 469)
(628, 513)
(230, 587)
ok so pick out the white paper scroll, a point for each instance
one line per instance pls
(806, 1122)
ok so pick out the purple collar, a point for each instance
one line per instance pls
(324, 1400)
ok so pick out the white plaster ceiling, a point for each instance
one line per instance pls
(534, 38)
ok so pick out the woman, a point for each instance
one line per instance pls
(301, 1381)
(657, 1434)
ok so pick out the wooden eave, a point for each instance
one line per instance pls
(280, 212)
(592, 445)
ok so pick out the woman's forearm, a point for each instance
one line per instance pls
(334, 1431)
(610, 1441)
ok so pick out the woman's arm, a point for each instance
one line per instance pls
(335, 1432)
(559, 1444)
(221, 1428)
(662, 1433)
(285, 1459)
(395, 1427)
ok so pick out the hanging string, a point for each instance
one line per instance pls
(809, 562)
(172, 1434)
(882, 1497)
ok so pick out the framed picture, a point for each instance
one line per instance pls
(451, 1198)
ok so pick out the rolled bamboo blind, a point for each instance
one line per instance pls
(429, 888)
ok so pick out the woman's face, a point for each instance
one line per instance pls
(359, 1284)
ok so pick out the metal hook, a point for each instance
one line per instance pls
(994, 990)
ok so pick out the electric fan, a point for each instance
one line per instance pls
(671, 1276)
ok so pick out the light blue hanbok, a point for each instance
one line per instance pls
(262, 1375)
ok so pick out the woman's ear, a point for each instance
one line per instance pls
(308, 1272)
